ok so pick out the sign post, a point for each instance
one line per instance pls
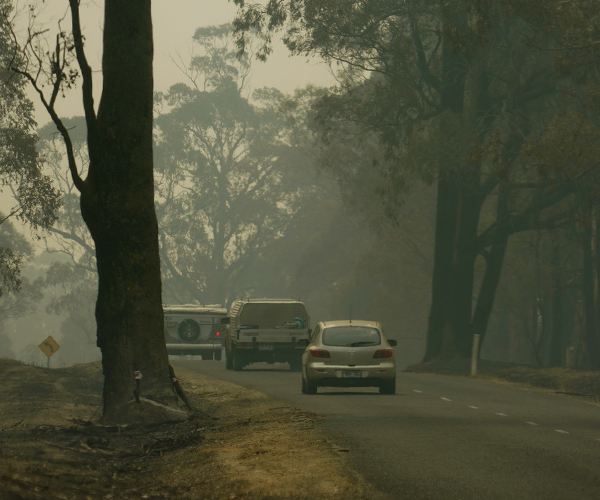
(49, 347)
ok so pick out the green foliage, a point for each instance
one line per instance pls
(20, 164)
(19, 295)
(227, 185)
(497, 97)
(230, 181)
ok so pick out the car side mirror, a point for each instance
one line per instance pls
(226, 321)
(392, 343)
(303, 342)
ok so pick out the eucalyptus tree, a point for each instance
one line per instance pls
(19, 295)
(35, 199)
(116, 197)
(230, 181)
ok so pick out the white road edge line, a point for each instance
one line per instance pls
(560, 431)
(531, 423)
(502, 414)
(446, 399)
(474, 407)
(420, 392)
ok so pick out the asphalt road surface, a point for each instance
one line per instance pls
(448, 438)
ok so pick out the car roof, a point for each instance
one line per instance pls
(194, 308)
(351, 322)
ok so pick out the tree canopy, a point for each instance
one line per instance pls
(35, 199)
(464, 92)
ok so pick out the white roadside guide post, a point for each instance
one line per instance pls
(475, 354)
(49, 347)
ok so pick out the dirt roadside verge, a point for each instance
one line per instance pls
(243, 446)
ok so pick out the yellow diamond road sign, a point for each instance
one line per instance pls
(49, 346)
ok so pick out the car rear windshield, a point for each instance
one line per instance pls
(271, 315)
(351, 336)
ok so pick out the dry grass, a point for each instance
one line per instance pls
(242, 445)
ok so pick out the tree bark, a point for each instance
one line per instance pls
(439, 329)
(445, 231)
(489, 286)
(117, 204)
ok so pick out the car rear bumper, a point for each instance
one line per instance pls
(183, 349)
(350, 376)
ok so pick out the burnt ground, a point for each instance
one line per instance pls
(241, 445)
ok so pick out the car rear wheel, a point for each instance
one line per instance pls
(388, 386)
(218, 355)
(311, 387)
(228, 360)
(238, 363)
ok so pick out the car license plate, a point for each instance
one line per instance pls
(351, 374)
(265, 347)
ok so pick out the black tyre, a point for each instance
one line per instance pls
(311, 386)
(218, 355)
(228, 360)
(388, 386)
(303, 386)
(188, 330)
(238, 362)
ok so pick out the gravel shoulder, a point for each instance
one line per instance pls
(241, 445)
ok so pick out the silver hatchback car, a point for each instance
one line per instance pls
(348, 353)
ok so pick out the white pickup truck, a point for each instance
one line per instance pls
(266, 330)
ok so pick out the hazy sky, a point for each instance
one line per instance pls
(174, 24)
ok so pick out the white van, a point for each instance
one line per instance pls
(195, 329)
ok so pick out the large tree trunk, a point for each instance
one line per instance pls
(489, 286)
(449, 333)
(464, 95)
(493, 269)
(439, 329)
(445, 232)
(117, 204)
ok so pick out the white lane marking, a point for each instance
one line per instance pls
(420, 392)
(531, 423)
(474, 407)
(502, 414)
(560, 432)
(446, 399)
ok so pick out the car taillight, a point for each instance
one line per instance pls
(383, 353)
(217, 334)
(319, 353)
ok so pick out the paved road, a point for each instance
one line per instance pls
(449, 438)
